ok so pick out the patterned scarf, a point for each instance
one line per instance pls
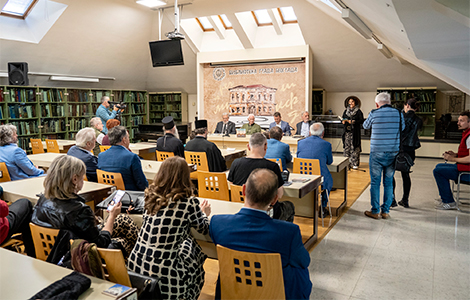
(351, 111)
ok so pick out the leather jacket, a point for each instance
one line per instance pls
(413, 124)
(71, 214)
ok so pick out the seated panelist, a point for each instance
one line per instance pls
(280, 123)
(251, 127)
(225, 126)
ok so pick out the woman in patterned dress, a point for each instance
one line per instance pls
(352, 120)
(165, 247)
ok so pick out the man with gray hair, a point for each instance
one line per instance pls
(85, 141)
(97, 125)
(225, 126)
(314, 147)
(119, 159)
(303, 127)
(242, 167)
(251, 127)
(384, 145)
(103, 112)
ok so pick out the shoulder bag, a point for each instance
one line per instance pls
(403, 161)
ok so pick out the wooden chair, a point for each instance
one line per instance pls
(114, 266)
(4, 174)
(199, 159)
(104, 148)
(111, 178)
(236, 192)
(162, 155)
(246, 275)
(52, 146)
(43, 239)
(15, 242)
(37, 146)
(276, 160)
(213, 185)
(311, 167)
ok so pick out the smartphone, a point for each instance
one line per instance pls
(116, 199)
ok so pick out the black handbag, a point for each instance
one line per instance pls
(147, 287)
(403, 161)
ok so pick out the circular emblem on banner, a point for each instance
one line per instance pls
(219, 74)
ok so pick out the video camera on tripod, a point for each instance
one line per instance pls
(119, 105)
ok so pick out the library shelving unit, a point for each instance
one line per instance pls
(52, 115)
(3, 106)
(173, 104)
(318, 101)
(427, 99)
(136, 109)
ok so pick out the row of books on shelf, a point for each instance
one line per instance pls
(53, 125)
(427, 108)
(1, 112)
(22, 95)
(77, 124)
(77, 96)
(426, 96)
(52, 96)
(52, 110)
(131, 97)
(22, 111)
(137, 120)
(23, 143)
(163, 107)
(166, 98)
(26, 127)
(137, 108)
(78, 110)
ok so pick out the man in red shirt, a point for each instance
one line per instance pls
(444, 172)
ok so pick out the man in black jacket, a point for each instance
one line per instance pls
(170, 142)
(303, 128)
(225, 126)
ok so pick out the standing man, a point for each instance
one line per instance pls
(281, 124)
(384, 145)
(251, 127)
(215, 160)
(170, 142)
(315, 147)
(225, 126)
(103, 112)
(445, 172)
(303, 128)
(252, 230)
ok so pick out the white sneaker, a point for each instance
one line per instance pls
(447, 206)
(355, 167)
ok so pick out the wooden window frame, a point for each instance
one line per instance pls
(202, 27)
(282, 18)
(257, 22)
(21, 17)
(223, 23)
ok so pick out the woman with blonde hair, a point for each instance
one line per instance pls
(61, 207)
(165, 247)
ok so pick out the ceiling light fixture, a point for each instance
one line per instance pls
(69, 78)
(151, 3)
(349, 16)
(384, 50)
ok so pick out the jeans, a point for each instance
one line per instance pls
(443, 173)
(381, 164)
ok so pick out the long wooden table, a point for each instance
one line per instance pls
(145, 150)
(21, 277)
(29, 188)
(240, 142)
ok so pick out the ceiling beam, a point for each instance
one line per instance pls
(238, 28)
(276, 19)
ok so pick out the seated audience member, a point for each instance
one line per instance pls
(15, 219)
(281, 124)
(215, 160)
(251, 127)
(278, 149)
(18, 164)
(170, 142)
(445, 172)
(165, 247)
(109, 124)
(303, 127)
(119, 159)
(242, 167)
(225, 126)
(96, 124)
(314, 147)
(252, 230)
(84, 143)
(61, 207)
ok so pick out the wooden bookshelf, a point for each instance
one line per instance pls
(318, 101)
(173, 104)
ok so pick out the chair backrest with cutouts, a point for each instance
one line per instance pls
(111, 178)
(43, 239)
(276, 160)
(4, 174)
(104, 148)
(52, 146)
(114, 266)
(306, 166)
(37, 146)
(247, 275)
(162, 155)
(236, 192)
(197, 158)
(212, 185)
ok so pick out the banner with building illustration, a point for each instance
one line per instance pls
(259, 89)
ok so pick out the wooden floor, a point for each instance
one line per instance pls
(358, 181)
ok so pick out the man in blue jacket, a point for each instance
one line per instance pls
(279, 123)
(315, 147)
(119, 159)
(252, 230)
(104, 114)
(278, 149)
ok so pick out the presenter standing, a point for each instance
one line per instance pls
(103, 112)
(352, 120)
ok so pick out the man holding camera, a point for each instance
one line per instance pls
(104, 114)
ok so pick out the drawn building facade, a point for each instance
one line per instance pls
(256, 99)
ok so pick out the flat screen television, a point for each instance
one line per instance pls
(166, 53)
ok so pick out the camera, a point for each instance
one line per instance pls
(119, 105)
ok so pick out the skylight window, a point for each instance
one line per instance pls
(225, 22)
(205, 24)
(328, 2)
(262, 17)
(18, 8)
(287, 15)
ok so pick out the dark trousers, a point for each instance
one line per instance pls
(406, 179)
(19, 216)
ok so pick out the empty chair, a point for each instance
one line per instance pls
(213, 185)
(52, 146)
(247, 275)
(110, 178)
(4, 174)
(37, 146)
(43, 239)
(199, 159)
(114, 266)
(236, 193)
(162, 155)
(104, 148)
(457, 192)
